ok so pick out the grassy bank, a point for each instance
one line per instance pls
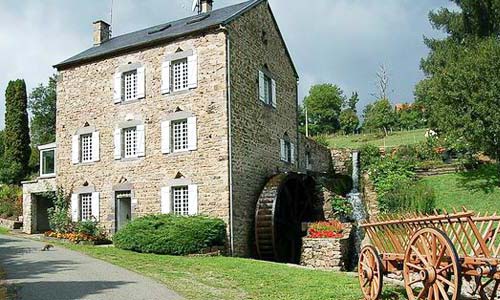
(395, 139)
(477, 190)
(4, 230)
(235, 278)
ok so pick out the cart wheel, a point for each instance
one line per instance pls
(370, 272)
(431, 267)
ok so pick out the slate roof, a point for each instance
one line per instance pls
(167, 31)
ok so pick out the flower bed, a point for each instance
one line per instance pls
(326, 229)
(77, 238)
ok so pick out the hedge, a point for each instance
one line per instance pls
(171, 234)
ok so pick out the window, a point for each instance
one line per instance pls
(180, 75)
(85, 206)
(308, 161)
(180, 135)
(267, 88)
(180, 200)
(130, 85)
(86, 147)
(130, 142)
(287, 150)
(47, 165)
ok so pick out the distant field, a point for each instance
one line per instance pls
(395, 139)
(477, 190)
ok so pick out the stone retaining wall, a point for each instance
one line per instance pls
(342, 162)
(10, 224)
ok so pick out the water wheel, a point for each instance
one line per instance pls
(431, 267)
(284, 203)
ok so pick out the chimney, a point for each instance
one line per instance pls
(206, 6)
(102, 32)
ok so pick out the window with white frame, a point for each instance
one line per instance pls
(180, 135)
(47, 162)
(180, 200)
(267, 88)
(180, 78)
(130, 142)
(130, 85)
(86, 147)
(85, 206)
(287, 150)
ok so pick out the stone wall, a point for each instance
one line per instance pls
(10, 224)
(85, 95)
(342, 162)
(256, 127)
(369, 196)
(320, 159)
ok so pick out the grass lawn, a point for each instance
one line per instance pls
(477, 190)
(236, 278)
(395, 139)
(4, 230)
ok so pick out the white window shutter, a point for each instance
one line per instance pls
(95, 146)
(95, 205)
(193, 199)
(75, 209)
(118, 143)
(292, 153)
(141, 82)
(165, 77)
(262, 88)
(192, 71)
(273, 93)
(166, 201)
(165, 137)
(117, 87)
(191, 123)
(141, 141)
(75, 149)
(282, 149)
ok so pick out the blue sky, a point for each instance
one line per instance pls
(336, 41)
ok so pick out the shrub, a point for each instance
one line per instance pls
(326, 229)
(10, 201)
(88, 227)
(341, 207)
(321, 139)
(409, 197)
(171, 234)
(369, 155)
(59, 219)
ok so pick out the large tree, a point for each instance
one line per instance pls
(323, 105)
(461, 90)
(349, 120)
(42, 105)
(16, 135)
(379, 115)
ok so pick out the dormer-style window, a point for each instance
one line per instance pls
(85, 145)
(129, 83)
(267, 88)
(179, 72)
(287, 150)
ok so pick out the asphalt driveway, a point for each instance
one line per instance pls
(61, 274)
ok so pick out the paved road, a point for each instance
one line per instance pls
(62, 274)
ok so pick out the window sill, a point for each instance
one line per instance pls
(47, 176)
(87, 163)
(265, 104)
(180, 92)
(179, 153)
(129, 159)
(125, 102)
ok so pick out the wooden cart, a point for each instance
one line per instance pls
(433, 253)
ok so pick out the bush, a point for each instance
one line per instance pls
(11, 197)
(322, 140)
(341, 207)
(409, 197)
(59, 218)
(88, 227)
(171, 234)
(369, 155)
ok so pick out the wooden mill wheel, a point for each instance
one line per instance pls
(431, 267)
(370, 272)
(283, 205)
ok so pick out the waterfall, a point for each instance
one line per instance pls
(355, 198)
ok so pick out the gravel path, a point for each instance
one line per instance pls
(61, 274)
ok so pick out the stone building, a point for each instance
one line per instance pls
(187, 117)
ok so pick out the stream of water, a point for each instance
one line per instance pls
(355, 198)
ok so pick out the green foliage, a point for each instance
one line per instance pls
(353, 101)
(59, 217)
(324, 104)
(339, 184)
(171, 234)
(11, 201)
(42, 105)
(321, 139)
(2, 144)
(408, 196)
(341, 207)
(411, 118)
(379, 115)
(369, 155)
(14, 166)
(89, 227)
(349, 121)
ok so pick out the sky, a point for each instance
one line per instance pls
(343, 42)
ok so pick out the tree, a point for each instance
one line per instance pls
(2, 144)
(349, 120)
(42, 105)
(379, 116)
(16, 135)
(324, 104)
(382, 83)
(411, 117)
(353, 101)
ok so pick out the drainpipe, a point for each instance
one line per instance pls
(297, 124)
(230, 140)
